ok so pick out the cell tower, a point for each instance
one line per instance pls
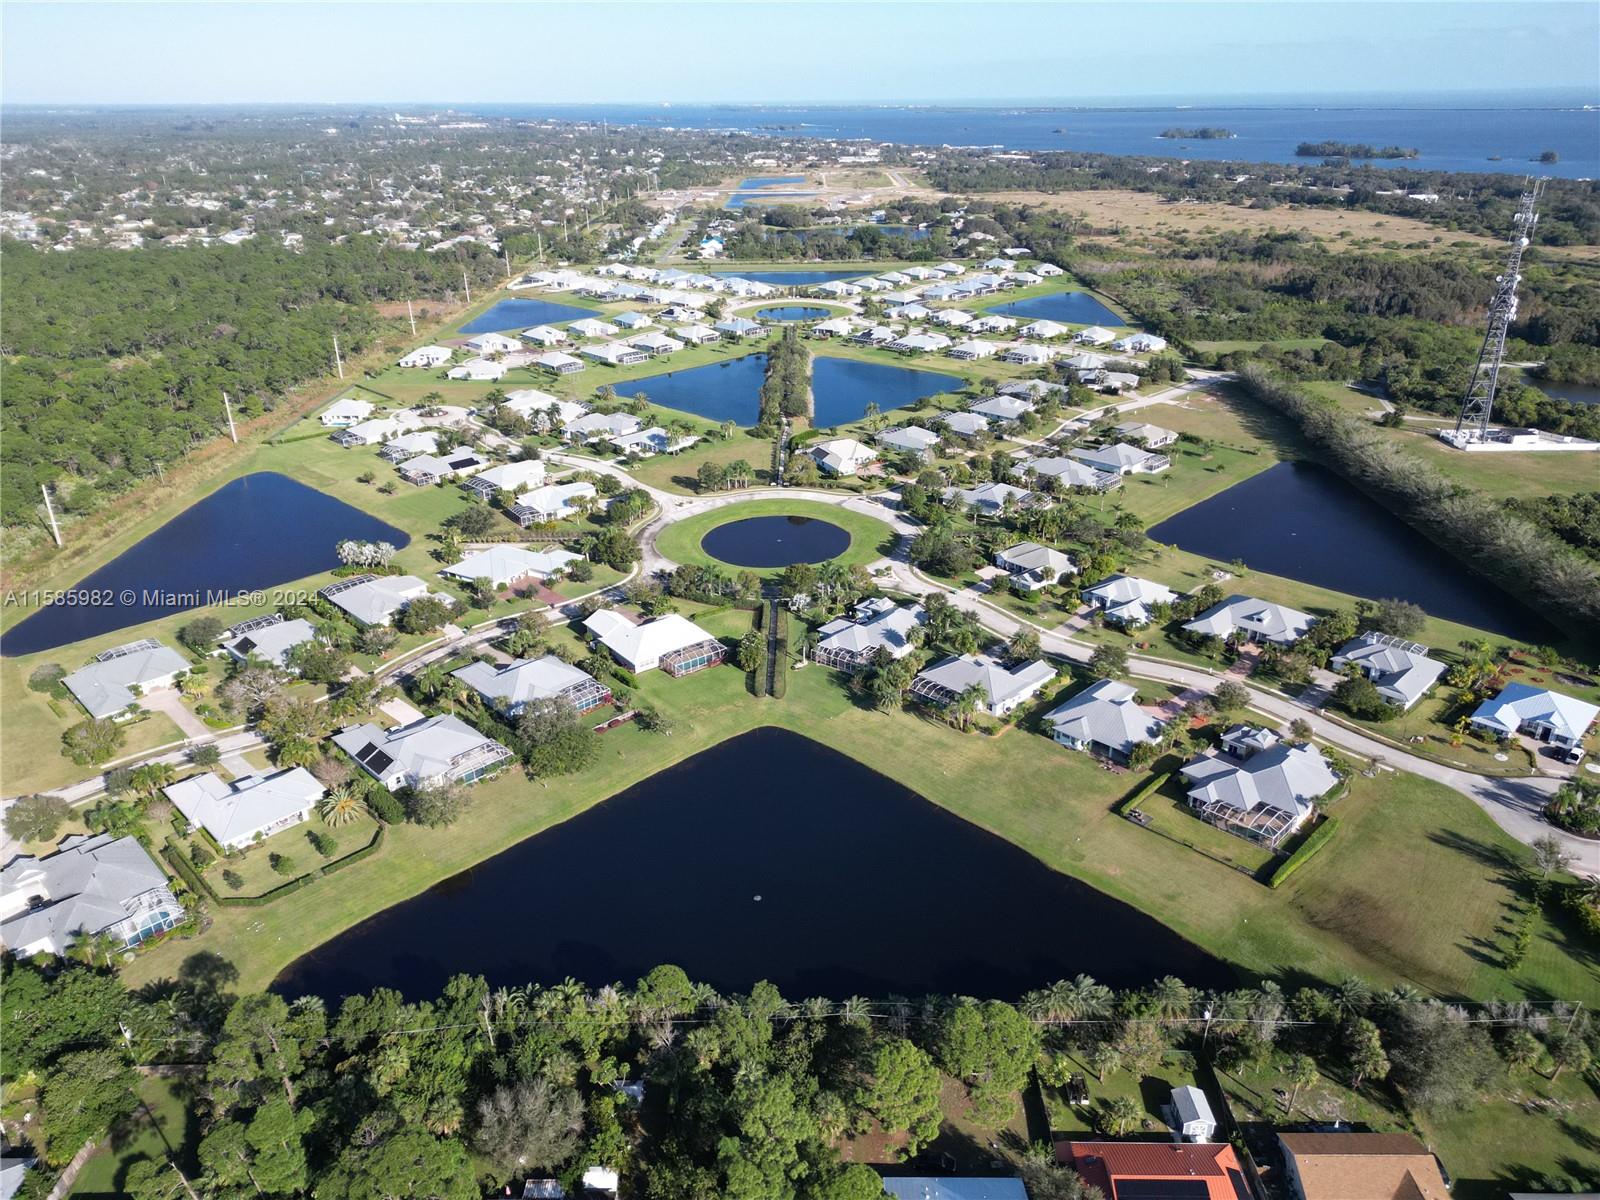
(1473, 423)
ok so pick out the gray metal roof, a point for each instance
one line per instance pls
(91, 882)
(1107, 714)
(103, 688)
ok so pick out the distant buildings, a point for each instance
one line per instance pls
(1122, 458)
(503, 565)
(270, 642)
(511, 687)
(375, 599)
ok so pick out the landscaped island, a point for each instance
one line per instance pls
(1353, 150)
(1202, 133)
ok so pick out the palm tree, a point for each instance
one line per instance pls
(430, 681)
(1302, 1073)
(1122, 1114)
(93, 948)
(966, 704)
(855, 1011)
(341, 806)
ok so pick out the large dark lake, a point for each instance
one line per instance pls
(1300, 520)
(1070, 308)
(255, 532)
(524, 314)
(841, 388)
(719, 391)
(772, 857)
(775, 541)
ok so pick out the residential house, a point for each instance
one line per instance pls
(1520, 708)
(909, 439)
(516, 476)
(105, 688)
(1034, 566)
(1001, 409)
(875, 626)
(592, 327)
(378, 430)
(428, 356)
(698, 335)
(992, 323)
(1400, 670)
(1133, 1170)
(544, 335)
(478, 370)
(617, 354)
(989, 498)
(1151, 437)
(738, 327)
(426, 753)
(1025, 355)
(553, 502)
(409, 445)
(909, 312)
(920, 343)
(1105, 718)
(93, 884)
(1048, 270)
(632, 320)
(1095, 335)
(1140, 343)
(1034, 390)
(600, 427)
(972, 350)
(1122, 458)
(837, 327)
(493, 343)
(1127, 600)
(1044, 330)
(1070, 473)
(836, 289)
(1003, 686)
(558, 364)
(672, 642)
(511, 687)
(346, 412)
(952, 318)
(656, 343)
(842, 456)
(503, 565)
(268, 638)
(1246, 619)
(1258, 786)
(655, 440)
(877, 335)
(1089, 361)
(954, 1187)
(240, 813)
(375, 599)
(965, 424)
(431, 468)
(1361, 1166)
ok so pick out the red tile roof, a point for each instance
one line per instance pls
(1104, 1163)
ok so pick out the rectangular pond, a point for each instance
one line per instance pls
(771, 857)
(1300, 520)
(1069, 308)
(523, 313)
(719, 391)
(841, 388)
(258, 531)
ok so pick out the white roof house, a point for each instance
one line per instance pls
(909, 439)
(965, 424)
(632, 320)
(1253, 620)
(1034, 566)
(1261, 794)
(346, 412)
(954, 318)
(1191, 1113)
(1153, 436)
(94, 883)
(430, 468)
(1104, 718)
(248, 809)
(593, 327)
(1003, 687)
(407, 445)
(1122, 458)
(1043, 329)
(378, 429)
(1140, 343)
(655, 342)
(1089, 361)
(105, 686)
(617, 354)
(992, 323)
(553, 502)
(1126, 600)
(738, 326)
(920, 343)
(428, 356)
(534, 405)
(600, 425)
(972, 349)
(271, 643)
(478, 370)
(1001, 408)
(1095, 335)
(842, 456)
(1069, 472)
(671, 642)
(511, 686)
(493, 343)
(504, 564)
(1540, 713)
(545, 335)
(909, 312)
(1027, 355)
(559, 364)
(988, 497)
(516, 476)
(875, 626)
(837, 327)
(374, 599)
(429, 751)
(1400, 670)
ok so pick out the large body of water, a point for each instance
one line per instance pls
(793, 312)
(258, 531)
(1460, 135)
(524, 314)
(1300, 520)
(777, 541)
(1069, 308)
(841, 388)
(719, 391)
(791, 278)
(1574, 393)
(771, 857)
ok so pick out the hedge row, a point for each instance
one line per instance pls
(174, 853)
(780, 678)
(371, 847)
(1318, 839)
(1153, 785)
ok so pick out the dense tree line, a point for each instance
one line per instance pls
(786, 391)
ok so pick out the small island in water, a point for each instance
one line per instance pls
(1353, 150)
(1204, 133)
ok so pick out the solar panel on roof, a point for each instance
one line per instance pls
(379, 763)
(1161, 1189)
(244, 645)
(1241, 1189)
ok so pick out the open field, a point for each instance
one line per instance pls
(870, 539)
(1354, 909)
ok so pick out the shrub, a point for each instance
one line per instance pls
(324, 844)
(1319, 838)
(232, 878)
(282, 864)
(200, 856)
(581, 571)
(47, 677)
(36, 818)
(205, 755)
(1151, 786)
(384, 805)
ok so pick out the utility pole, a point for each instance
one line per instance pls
(466, 283)
(506, 255)
(337, 360)
(227, 407)
(540, 236)
(55, 530)
(412, 317)
(1473, 423)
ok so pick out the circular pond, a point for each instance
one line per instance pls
(775, 541)
(793, 312)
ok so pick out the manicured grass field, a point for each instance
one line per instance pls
(870, 539)
(676, 472)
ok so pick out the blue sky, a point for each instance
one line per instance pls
(1077, 51)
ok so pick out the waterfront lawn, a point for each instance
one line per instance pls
(1150, 1092)
(1171, 816)
(254, 865)
(676, 472)
(163, 1126)
(32, 751)
(870, 538)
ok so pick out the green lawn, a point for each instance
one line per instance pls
(676, 472)
(164, 1126)
(1150, 1092)
(870, 539)
(254, 865)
